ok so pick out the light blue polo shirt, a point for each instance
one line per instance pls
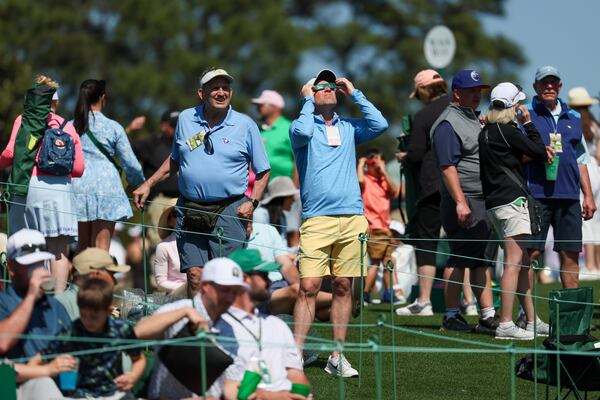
(224, 173)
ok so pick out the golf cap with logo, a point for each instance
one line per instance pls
(224, 272)
(466, 79)
(251, 261)
(546, 70)
(214, 73)
(27, 247)
(96, 259)
(507, 95)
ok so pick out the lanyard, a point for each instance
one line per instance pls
(256, 338)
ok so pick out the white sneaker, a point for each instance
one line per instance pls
(543, 329)
(340, 366)
(423, 310)
(513, 332)
(587, 275)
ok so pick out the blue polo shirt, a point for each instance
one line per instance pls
(48, 318)
(236, 144)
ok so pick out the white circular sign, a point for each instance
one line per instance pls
(439, 46)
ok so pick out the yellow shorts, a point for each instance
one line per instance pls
(330, 246)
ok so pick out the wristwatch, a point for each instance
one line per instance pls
(255, 203)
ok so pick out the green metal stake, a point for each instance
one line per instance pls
(342, 392)
(220, 232)
(144, 261)
(202, 336)
(363, 239)
(535, 266)
(511, 370)
(557, 347)
(378, 365)
(390, 268)
(6, 199)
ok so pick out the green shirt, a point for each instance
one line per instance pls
(279, 148)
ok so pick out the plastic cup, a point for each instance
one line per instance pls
(49, 285)
(302, 390)
(552, 169)
(67, 380)
(248, 385)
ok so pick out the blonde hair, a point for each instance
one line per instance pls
(44, 80)
(500, 115)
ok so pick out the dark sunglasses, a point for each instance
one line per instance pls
(323, 86)
(28, 249)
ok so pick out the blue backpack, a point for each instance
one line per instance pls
(57, 152)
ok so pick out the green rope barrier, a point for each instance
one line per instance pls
(378, 366)
(511, 362)
(144, 261)
(341, 388)
(535, 266)
(558, 390)
(201, 336)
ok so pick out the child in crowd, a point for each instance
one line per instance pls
(100, 373)
(166, 260)
(377, 189)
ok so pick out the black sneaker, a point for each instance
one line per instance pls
(487, 326)
(521, 321)
(456, 323)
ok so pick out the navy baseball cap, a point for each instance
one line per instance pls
(468, 78)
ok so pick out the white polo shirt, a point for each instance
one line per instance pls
(278, 349)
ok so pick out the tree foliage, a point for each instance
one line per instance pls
(151, 52)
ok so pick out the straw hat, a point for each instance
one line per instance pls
(281, 186)
(164, 219)
(579, 97)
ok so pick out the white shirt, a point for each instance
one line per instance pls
(163, 385)
(279, 350)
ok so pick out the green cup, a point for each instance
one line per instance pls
(302, 390)
(248, 385)
(552, 169)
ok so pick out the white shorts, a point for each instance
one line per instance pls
(511, 219)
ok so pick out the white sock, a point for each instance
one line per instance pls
(505, 325)
(488, 312)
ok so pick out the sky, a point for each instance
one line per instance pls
(564, 34)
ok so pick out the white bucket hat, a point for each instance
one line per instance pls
(281, 186)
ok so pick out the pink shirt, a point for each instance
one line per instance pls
(54, 121)
(166, 265)
(376, 200)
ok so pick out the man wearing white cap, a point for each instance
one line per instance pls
(26, 309)
(332, 208)
(222, 279)
(558, 193)
(24, 301)
(214, 147)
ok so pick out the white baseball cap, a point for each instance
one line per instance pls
(214, 73)
(27, 247)
(223, 271)
(270, 97)
(506, 94)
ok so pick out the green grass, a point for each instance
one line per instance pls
(423, 375)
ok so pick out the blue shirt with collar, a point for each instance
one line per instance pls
(48, 318)
(224, 173)
(567, 184)
(328, 179)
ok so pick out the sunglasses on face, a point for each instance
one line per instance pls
(323, 86)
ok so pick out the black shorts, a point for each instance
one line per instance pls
(474, 246)
(425, 229)
(566, 221)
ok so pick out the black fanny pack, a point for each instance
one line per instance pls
(202, 217)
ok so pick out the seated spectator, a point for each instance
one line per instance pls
(221, 281)
(276, 202)
(26, 309)
(92, 263)
(166, 259)
(285, 282)
(263, 337)
(100, 374)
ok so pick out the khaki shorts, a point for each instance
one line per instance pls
(330, 246)
(380, 247)
(511, 219)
